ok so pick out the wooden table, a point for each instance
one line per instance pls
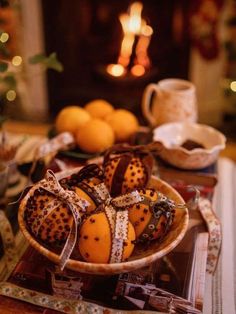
(43, 128)
(7, 305)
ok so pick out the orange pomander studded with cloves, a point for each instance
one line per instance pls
(51, 227)
(96, 238)
(126, 168)
(84, 183)
(153, 216)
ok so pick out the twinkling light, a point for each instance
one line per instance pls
(11, 95)
(233, 86)
(4, 37)
(16, 60)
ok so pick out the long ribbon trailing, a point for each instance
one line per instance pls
(213, 225)
(215, 233)
(76, 205)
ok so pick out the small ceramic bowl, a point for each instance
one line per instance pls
(170, 137)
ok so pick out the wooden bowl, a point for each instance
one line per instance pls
(143, 255)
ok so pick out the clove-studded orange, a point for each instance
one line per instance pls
(126, 169)
(96, 238)
(153, 216)
(50, 227)
(49, 218)
(85, 184)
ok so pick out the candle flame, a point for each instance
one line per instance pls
(136, 36)
(135, 20)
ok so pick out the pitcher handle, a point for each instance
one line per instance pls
(146, 103)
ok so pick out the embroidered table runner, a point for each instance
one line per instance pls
(220, 293)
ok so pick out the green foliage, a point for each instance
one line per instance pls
(3, 66)
(4, 50)
(9, 80)
(38, 58)
(2, 120)
(50, 62)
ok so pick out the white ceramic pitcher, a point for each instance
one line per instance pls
(174, 100)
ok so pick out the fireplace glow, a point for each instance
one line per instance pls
(133, 57)
(138, 70)
(115, 70)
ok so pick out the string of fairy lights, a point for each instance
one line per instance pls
(16, 61)
(233, 86)
(8, 68)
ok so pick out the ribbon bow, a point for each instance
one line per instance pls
(143, 151)
(115, 210)
(117, 215)
(76, 205)
(125, 148)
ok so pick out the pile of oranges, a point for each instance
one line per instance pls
(97, 126)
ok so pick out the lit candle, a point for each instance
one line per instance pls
(136, 39)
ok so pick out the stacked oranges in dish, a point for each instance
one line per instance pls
(97, 126)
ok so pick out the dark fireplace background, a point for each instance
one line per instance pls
(86, 34)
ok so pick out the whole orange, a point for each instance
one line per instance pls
(95, 239)
(99, 108)
(124, 123)
(95, 136)
(71, 118)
